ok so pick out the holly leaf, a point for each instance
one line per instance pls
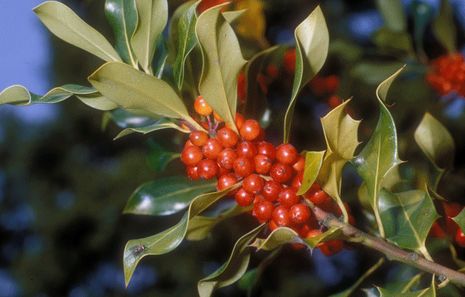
(427, 292)
(158, 125)
(330, 234)
(379, 155)
(69, 27)
(123, 18)
(166, 241)
(313, 163)
(125, 119)
(312, 43)
(158, 157)
(153, 16)
(254, 17)
(407, 218)
(222, 61)
(393, 14)
(231, 271)
(460, 219)
(444, 28)
(134, 90)
(277, 238)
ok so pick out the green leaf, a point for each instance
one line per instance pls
(460, 219)
(330, 234)
(313, 162)
(125, 119)
(183, 38)
(153, 16)
(167, 240)
(407, 218)
(423, 13)
(379, 155)
(222, 61)
(19, 95)
(166, 196)
(123, 18)
(69, 27)
(427, 292)
(312, 43)
(158, 157)
(231, 271)
(277, 238)
(393, 14)
(347, 292)
(444, 27)
(159, 125)
(393, 41)
(135, 90)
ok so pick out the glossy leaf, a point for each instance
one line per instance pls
(393, 14)
(407, 218)
(135, 90)
(153, 16)
(444, 28)
(222, 61)
(313, 163)
(277, 238)
(166, 196)
(126, 119)
(158, 157)
(69, 27)
(312, 43)
(159, 125)
(379, 155)
(123, 18)
(167, 240)
(231, 271)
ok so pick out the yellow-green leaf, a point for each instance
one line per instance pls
(277, 238)
(313, 162)
(69, 27)
(312, 43)
(158, 125)
(332, 233)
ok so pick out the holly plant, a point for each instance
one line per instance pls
(192, 77)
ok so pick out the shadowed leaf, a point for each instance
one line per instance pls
(444, 28)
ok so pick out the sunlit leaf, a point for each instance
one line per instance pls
(277, 238)
(69, 27)
(254, 17)
(312, 43)
(167, 240)
(444, 28)
(313, 162)
(222, 61)
(379, 155)
(123, 18)
(159, 125)
(231, 271)
(166, 196)
(153, 16)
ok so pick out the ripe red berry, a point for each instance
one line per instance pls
(212, 148)
(263, 210)
(267, 149)
(188, 144)
(436, 231)
(226, 158)
(239, 120)
(191, 155)
(227, 137)
(246, 149)
(262, 164)
(299, 213)
(192, 172)
(297, 181)
(225, 181)
(460, 238)
(253, 183)
(250, 130)
(243, 166)
(198, 138)
(271, 190)
(286, 154)
(288, 197)
(207, 169)
(299, 165)
(319, 197)
(281, 172)
(272, 225)
(331, 247)
(281, 216)
(201, 106)
(244, 198)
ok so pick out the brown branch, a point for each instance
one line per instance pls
(391, 251)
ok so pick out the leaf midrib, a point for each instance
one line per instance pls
(404, 212)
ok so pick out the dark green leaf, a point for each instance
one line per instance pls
(393, 41)
(159, 157)
(126, 119)
(313, 162)
(422, 16)
(444, 27)
(159, 125)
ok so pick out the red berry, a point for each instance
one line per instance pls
(299, 213)
(226, 158)
(460, 238)
(250, 130)
(192, 172)
(297, 181)
(191, 155)
(244, 198)
(198, 138)
(437, 231)
(299, 165)
(272, 225)
(271, 190)
(331, 247)
(227, 137)
(312, 233)
(281, 172)
(262, 164)
(188, 144)
(288, 197)
(243, 166)
(319, 197)
(207, 169)
(226, 181)
(267, 149)
(286, 154)
(263, 210)
(239, 120)
(253, 183)
(246, 149)
(201, 106)
(212, 148)
(281, 216)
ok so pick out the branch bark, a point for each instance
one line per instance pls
(391, 251)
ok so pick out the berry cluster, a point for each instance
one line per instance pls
(447, 226)
(447, 74)
(270, 176)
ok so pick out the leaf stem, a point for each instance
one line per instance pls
(391, 251)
